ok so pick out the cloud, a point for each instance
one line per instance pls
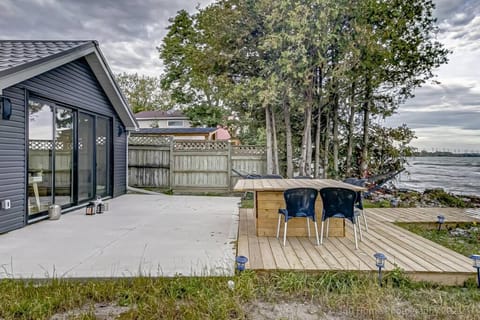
(428, 138)
(448, 113)
(467, 120)
(128, 30)
(448, 96)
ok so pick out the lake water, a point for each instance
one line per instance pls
(453, 174)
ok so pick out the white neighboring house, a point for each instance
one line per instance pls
(162, 119)
(176, 124)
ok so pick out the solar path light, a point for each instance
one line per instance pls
(380, 259)
(440, 221)
(241, 260)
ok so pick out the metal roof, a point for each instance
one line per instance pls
(24, 59)
(15, 53)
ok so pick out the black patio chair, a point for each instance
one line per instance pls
(338, 203)
(300, 203)
(359, 201)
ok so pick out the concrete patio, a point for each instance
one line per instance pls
(155, 235)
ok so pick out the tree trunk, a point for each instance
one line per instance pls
(335, 139)
(366, 125)
(317, 142)
(327, 144)
(319, 124)
(351, 127)
(288, 137)
(268, 129)
(308, 168)
(307, 138)
(276, 167)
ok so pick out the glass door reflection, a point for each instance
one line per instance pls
(86, 159)
(103, 129)
(63, 193)
(40, 154)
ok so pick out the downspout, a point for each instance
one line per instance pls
(126, 160)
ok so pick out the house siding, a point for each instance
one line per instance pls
(12, 162)
(72, 84)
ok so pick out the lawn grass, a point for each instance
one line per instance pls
(342, 295)
(463, 245)
(246, 204)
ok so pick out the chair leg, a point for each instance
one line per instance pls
(328, 228)
(365, 220)
(316, 232)
(321, 234)
(308, 226)
(355, 235)
(285, 234)
(278, 226)
(360, 228)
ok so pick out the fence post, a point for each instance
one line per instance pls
(229, 166)
(172, 164)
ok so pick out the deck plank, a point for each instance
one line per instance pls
(302, 254)
(278, 254)
(317, 259)
(267, 254)
(255, 256)
(291, 256)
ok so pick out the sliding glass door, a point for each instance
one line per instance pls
(103, 129)
(40, 156)
(86, 157)
(68, 158)
(63, 177)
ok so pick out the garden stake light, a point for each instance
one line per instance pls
(380, 263)
(440, 221)
(241, 260)
(476, 265)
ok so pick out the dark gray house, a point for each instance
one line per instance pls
(63, 129)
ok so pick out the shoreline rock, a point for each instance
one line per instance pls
(429, 198)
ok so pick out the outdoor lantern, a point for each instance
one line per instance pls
(440, 221)
(100, 208)
(476, 265)
(120, 130)
(241, 260)
(5, 108)
(90, 209)
(380, 259)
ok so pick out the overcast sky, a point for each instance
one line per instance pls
(443, 116)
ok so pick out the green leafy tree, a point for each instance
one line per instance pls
(204, 115)
(143, 92)
(326, 68)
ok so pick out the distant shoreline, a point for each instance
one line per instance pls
(445, 154)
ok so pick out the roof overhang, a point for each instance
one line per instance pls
(97, 63)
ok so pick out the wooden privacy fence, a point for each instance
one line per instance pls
(190, 165)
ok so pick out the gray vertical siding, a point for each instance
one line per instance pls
(12, 162)
(73, 84)
(119, 161)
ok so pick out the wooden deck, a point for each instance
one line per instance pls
(420, 258)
